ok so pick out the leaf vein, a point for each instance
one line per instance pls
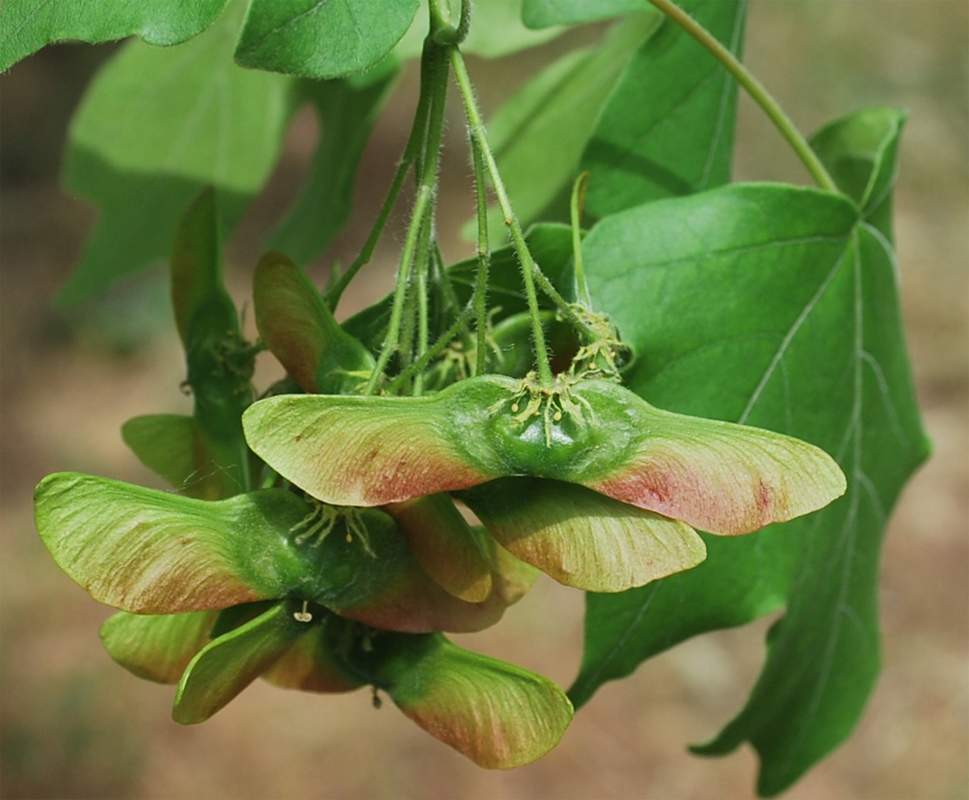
(788, 338)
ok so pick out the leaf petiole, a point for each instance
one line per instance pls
(575, 210)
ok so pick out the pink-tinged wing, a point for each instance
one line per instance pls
(309, 666)
(412, 602)
(151, 552)
(366, 571)
(228, 664)
(445, 546)
(718, 476)
(498, 715)
(298, 328)
(361, 451)
(156, 647)
(512, 578)
(581, 538)
(288, 316)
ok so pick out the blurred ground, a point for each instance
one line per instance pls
(74, 725)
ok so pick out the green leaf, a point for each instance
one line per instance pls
(539, 134)
(581, 538)
(347, 110)
(156, 647)
(498, 715)
(157, 125)
(230, 663)
(667, 128)
(297, 326)
(543, 13)
(165, 443)
(797, 328)
(28, 25)
(496, 30)
(320, 39)
(861, 153)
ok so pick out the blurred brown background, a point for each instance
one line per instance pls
(74, 725)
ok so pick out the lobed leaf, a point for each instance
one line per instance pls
(797, 329)
(860, 151)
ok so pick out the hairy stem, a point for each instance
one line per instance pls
(412, 151)
(434, 350)
(484, 260)
(528, 267)
(423, 262)
(436, 66)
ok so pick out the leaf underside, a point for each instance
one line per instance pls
(155, 126)
(319, 39)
